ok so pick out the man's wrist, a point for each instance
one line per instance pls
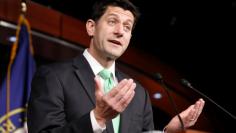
(100, 121)
(96, 126)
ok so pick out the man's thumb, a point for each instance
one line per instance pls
(98, 87)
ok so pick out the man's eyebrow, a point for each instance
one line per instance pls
(129, 21)
(113, 14)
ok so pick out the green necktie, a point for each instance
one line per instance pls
(108, 85)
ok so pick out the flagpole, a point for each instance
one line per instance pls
(12, 57)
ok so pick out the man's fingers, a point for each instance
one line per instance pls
(126, 102)
(116, 89)
(120, 90)
(200, 106)
(190, 113)
(195, 111)
(123, 91)
(126, 99)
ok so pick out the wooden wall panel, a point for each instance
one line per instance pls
(51, 51)
(3, 9)
(44, 19)
(40, 17)
(74, 30)
(13, 10)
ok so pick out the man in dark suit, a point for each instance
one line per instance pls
(69, 97)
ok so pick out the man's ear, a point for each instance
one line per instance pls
(90, 27)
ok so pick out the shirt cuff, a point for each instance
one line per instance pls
(96, 127)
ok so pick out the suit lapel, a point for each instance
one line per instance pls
(125, 116)
(85, 76)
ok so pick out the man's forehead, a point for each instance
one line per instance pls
(118, 11)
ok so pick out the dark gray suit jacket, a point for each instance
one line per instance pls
(63, 95)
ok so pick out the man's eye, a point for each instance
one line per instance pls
(111, 22)
(127, 28)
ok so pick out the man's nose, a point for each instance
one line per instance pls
(119, 30)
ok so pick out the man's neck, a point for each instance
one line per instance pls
(104, 61)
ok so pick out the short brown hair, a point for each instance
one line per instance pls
(100, 6)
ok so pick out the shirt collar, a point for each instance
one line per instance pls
(95, 65)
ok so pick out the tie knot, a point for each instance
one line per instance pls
(105, 74)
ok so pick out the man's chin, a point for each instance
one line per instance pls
(115, 55)
(112, 57)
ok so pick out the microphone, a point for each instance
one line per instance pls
(159, 78)
(187, 84)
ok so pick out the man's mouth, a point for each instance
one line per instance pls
(115, 42)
